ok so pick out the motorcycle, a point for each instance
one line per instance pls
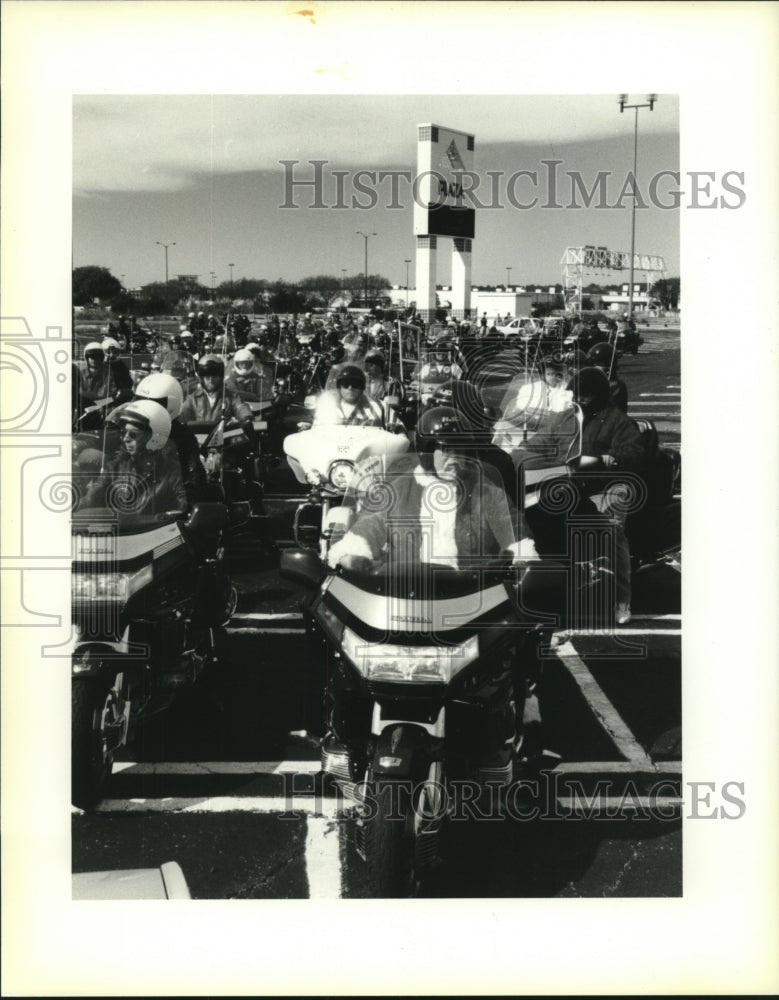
(325, 459)
(149, 595)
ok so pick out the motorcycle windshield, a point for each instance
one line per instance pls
(130, 492)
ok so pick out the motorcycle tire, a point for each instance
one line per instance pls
(92, 705)
(389, 840)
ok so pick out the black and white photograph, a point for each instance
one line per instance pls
(342, 464)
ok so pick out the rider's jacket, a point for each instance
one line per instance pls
(434, 520)
(110, 380)
(200, 408)
(380, 388)
(333, 411)
(259, 384)
(146, 484)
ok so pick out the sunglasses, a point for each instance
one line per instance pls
(350, 383)
(133, 435)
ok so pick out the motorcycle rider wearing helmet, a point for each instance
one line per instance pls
(99, 380)
(249, 376)
(141, 478)
(349, 405)
(166, 390)
(440, 366)
(604, 356)
(119, 370)
(446, 508)
(212, 399)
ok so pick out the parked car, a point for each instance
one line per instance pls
(520, 326)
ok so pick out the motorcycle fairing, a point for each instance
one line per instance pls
(376, 617)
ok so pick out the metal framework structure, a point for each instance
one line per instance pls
(578, 261)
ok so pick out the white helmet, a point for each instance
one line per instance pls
(243, 355)
(149, 416)
(109, 342)
(163, 389)
(190, 315)
(94, 347)
(251, 347)
(183, 330)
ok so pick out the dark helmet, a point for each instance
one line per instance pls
(590, 388)
(441, 426)
(211, 364)
(377, 359)
(554, 362)
(603, 356)
(351, 373)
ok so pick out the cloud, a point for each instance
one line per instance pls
(169, 142)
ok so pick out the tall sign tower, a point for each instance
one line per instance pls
(443, 155)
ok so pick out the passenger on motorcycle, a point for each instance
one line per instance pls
(349, 405)
(526, 403)
(141, 478)
(440, 506)
(604, 356)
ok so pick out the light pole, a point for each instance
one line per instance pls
(651, 100)
(166, 245)
(231, 266)
(508, 277)
(407, 262)
(213, 281)
(366, 237)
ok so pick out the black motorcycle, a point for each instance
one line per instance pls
(150, 592)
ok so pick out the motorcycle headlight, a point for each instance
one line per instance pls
(340, 473)
(107, 586)
(409, 664)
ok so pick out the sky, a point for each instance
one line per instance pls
(205, 172)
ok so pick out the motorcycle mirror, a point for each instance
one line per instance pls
(302, 566)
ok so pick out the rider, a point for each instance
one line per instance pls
(526, 403)
(118, 369)
(446, 507)
(98, 380)
(245, 376)
(141, 478)
(439, 367)
(349, 405)
(212, 399)
(166, 390)
(379, 385)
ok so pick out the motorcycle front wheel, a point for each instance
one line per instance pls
(94, 717)
(389, 840)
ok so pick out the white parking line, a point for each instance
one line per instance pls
(619, 767)
(323, 858)
(656, 395)
(602, 708)
(307, 806)
(232, 767)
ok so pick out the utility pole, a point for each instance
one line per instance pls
(622, 101)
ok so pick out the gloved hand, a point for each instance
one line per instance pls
(526, 551)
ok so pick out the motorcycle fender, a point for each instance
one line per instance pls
(89, 660)
(402, 751)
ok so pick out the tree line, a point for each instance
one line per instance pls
(94, 285)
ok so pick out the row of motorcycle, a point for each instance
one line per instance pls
(428, 683)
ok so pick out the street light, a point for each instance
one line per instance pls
(407, 262)
(366, 237)
(231, 266)
(651, 100)
(508, 277)
(213, 279)
(166, 245)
